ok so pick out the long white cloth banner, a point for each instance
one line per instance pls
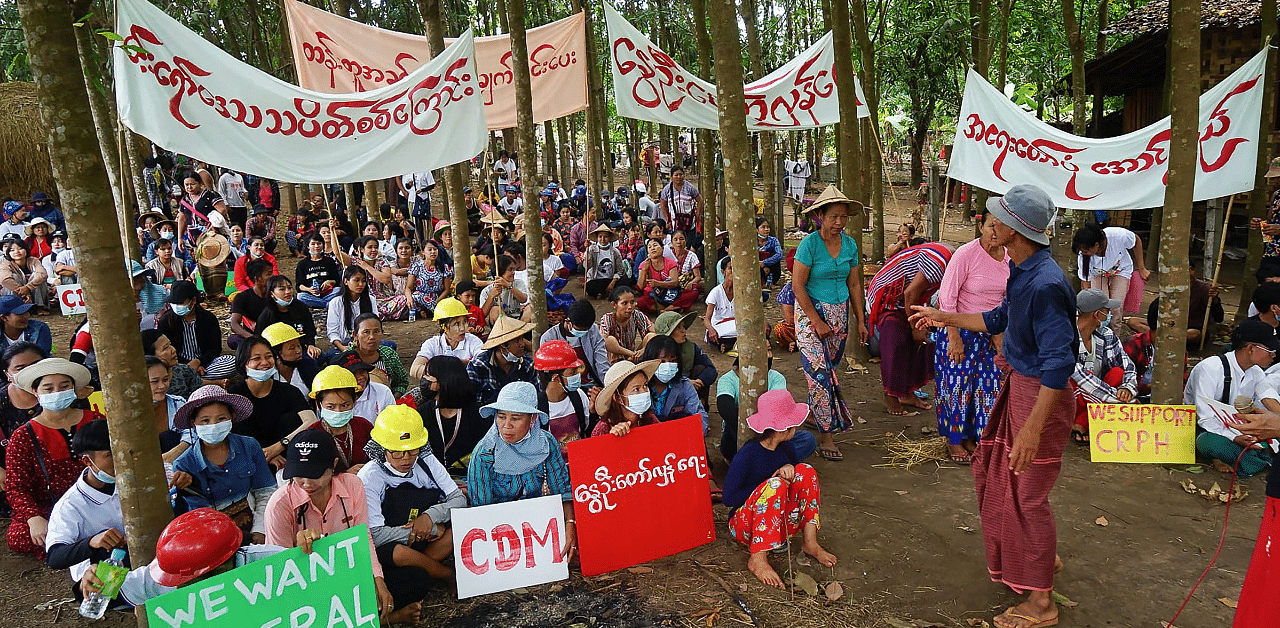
(649, 85)
(337, 55)
(998, 145)
(187, 95)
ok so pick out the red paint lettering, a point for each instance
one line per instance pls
(1121, 439)
(531, 537)
(1098, 440)
(508, 543)
(468, 552)
(1161, 440)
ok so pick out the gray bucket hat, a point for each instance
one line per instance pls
(1093, 299)
(519, 397)
(1027, 209)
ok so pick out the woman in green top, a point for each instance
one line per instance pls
(826, 281)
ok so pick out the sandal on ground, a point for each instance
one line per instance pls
(1081, 438)
(830, 453)
(1032, 621)
(901, 412)
(964, 459)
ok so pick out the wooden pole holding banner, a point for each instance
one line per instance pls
(1217, 268)
(529, 166)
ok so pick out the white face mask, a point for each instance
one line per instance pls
(639, 403)
(666, 371)
(167, 235)
(214, 433)
(260, 376)
(181, 310)
(337, 418)
(57, 401)
(387, 465)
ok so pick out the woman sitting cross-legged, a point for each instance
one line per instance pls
(411, 496)
(518, 459)
(770, 493)
(316, 501)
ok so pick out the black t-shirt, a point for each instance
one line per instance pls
(312, 272)
(274, 416)
(250, 306)
(297, 316)
(1273, 483)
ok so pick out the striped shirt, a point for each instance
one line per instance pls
(487, 486)
(884, 294)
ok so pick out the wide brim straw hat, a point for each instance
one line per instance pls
(603, 229)
(152, 214)
(240, 405)
(155, 229)
(519, 397)
(26, 378)
(212, 249)
(619, 373)
(776, 410)
(831, 196)
(494, 218)
(506, 328)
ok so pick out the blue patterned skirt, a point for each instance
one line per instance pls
(965, 391)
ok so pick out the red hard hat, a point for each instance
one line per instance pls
(192, 545)
(555, 355)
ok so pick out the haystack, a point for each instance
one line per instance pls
(24, 156)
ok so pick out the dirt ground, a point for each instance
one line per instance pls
(909, 543)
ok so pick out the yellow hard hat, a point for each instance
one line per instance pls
(334, 377)
(399, 428)
(450, 308)
(277, 334)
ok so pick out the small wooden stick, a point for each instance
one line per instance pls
(1217, 268)
(727, 589)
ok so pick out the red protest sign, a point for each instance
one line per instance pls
(618, 481)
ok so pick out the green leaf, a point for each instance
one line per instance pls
(136, 49)
(83, 19)
(110, 35)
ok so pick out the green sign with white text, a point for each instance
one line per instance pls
(331, 587)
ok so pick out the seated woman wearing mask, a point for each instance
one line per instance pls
(694, 362)
(278, 411)
(293, 365)
(335, 392)
(453, 338)
(518, 459)
(446, 403)
(228, 471)
(317, 500)
(624, 401)
(673, 394)
(410, 496)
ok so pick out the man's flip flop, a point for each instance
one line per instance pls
(962, 459)
(830, 454)
(1035, 623)
(903, 413)
(1081, 438)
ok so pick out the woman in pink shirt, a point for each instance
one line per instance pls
(965, 368)
(317, 501)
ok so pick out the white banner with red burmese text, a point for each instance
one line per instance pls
(649, 85)
(337, 55)
(186, 95)
(998, 146)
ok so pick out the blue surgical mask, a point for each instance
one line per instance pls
(214, 433)
(103, 476)
(336, 418)
(260, 376)
(57, 401)
(180, 309)
(1107, 323)
(639, 403)
(578, 333)
(166, 235)
(573, 382)
(283, 303)
(666, 371)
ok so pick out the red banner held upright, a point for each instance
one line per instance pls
(618, 481)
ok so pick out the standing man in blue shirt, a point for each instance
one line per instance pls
(1020, 455)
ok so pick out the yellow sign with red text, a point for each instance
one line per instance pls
(1126, 432)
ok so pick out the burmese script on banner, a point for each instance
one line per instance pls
(337, 55)
(185, 94)
(648, 84)
(998, 146)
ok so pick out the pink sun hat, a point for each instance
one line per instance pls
(776, 410)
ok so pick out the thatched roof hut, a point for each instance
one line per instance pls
(24, 155)
(1154, 16)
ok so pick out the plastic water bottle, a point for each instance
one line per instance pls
(413, 315)
(112, 573)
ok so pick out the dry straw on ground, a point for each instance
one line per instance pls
(24, 156)
(906, 453)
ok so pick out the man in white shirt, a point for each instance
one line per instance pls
(1235, 374)
(509, 172)
(15, 219)
(511, 204)
(374, 397)
(231, 189)
(649, 210)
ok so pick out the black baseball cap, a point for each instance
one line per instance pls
(183, 291)
(1255, 330)
(310, 454)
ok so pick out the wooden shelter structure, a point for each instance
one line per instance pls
(24, 154)
(1230, 33)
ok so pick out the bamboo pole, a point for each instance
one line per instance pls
(1217, 268)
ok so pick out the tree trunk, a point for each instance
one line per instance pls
(874, 152)
(1006, 8)
(1258, 196)
(768, 161)
(453, 175)
(104, 127)
(1175, 239)
(289, 201)
(562, 127)
(752, 347)
(706, 149)
(1075, 41)
(549, 164)
(529, 166)
(78, 167)
(597, 124)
